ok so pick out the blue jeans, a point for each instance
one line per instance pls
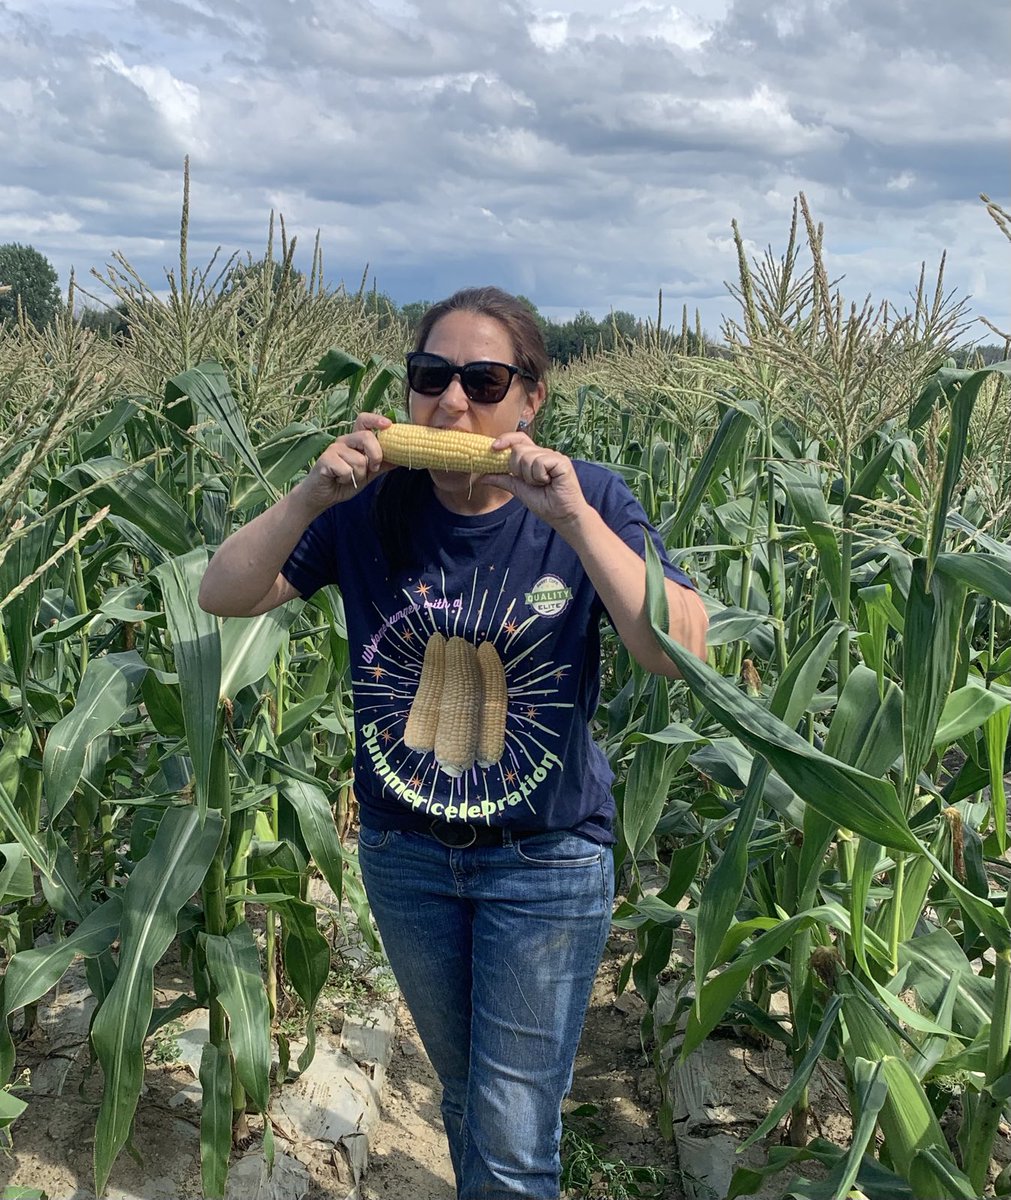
(495, 950)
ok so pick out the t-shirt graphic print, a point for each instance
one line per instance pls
(476, 676)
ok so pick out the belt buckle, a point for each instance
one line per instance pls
(437, 827)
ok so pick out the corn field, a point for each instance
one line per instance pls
(819, 810)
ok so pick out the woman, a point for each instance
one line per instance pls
(491, 881)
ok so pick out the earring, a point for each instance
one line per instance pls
(523, 425)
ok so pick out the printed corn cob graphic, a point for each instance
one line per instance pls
(419, 446)
(491, 732)
(460, 707)
(423, 719)
(456, 735)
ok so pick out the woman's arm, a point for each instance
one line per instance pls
(244, 577)
(619, 576)
(546, 483)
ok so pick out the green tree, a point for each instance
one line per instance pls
(30, 278)
(112, 323)
(413, 311)
(618, 328)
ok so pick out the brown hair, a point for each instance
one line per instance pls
(517, 317)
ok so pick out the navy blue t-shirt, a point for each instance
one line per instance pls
(503, 577)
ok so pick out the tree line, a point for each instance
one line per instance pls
(29, 284)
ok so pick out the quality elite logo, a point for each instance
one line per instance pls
(549, 596)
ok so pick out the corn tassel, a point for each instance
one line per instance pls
(420, 446)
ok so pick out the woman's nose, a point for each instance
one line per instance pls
(454, 398)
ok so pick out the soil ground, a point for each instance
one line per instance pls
(409, 1159)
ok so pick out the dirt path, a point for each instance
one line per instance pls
(409, 1153)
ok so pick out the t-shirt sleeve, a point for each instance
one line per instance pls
(625, 515)
(313, 562)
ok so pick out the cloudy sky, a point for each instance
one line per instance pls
(584, 152)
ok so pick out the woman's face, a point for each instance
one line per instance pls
(464, 337)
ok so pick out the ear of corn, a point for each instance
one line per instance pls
(420, 446)
(423, 719)
(456, 735)
(491, 734)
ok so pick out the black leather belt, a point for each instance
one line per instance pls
(459, 836)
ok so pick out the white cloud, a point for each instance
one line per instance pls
(177, 102)
(585, 152)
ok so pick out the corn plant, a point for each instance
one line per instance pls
(858, 808)
(167, 778)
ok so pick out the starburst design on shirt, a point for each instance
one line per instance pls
(377, 673)
(531, 713)
(510, 627)
(510, 776)
(423, 589)
(559, 674)
(386, 736)
(408, 635)
(415, 782)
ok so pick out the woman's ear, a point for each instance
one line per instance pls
(534, 401)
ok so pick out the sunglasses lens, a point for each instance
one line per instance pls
(483, 382)
(428, 374)
(486, 383)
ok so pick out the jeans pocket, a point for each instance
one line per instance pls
(372, 839)
(561, 849)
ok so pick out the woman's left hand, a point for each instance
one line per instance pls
(542, 479)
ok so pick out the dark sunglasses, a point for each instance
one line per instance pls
(483, 382)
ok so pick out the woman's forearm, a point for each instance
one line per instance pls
(246, 566)
(619, 576)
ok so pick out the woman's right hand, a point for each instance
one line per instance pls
(345, 466)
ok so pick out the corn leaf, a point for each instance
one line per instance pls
(197, 647)
(106, 692)
(234, 966)
(215, 1120)
(16, 882)
(870, 1090)
(811, 509)
(11, 1107)
(907, 1119)
(930, 647)
(207, 386)
(132, 494)
(984, 573)
(995, 737)
(866, 482)
(648, 779)
(960, 393)
(159, 886)
(860, 802)
(282, 457)
(19, 563)
(31, 973)
(718, 992)
(934, 1176)
(725, 885)
(305, 951)
(16, 827)
(866, 729)
(315, 820)
(932, 960)
(249, 646)
(725, 444)
(966, 710)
